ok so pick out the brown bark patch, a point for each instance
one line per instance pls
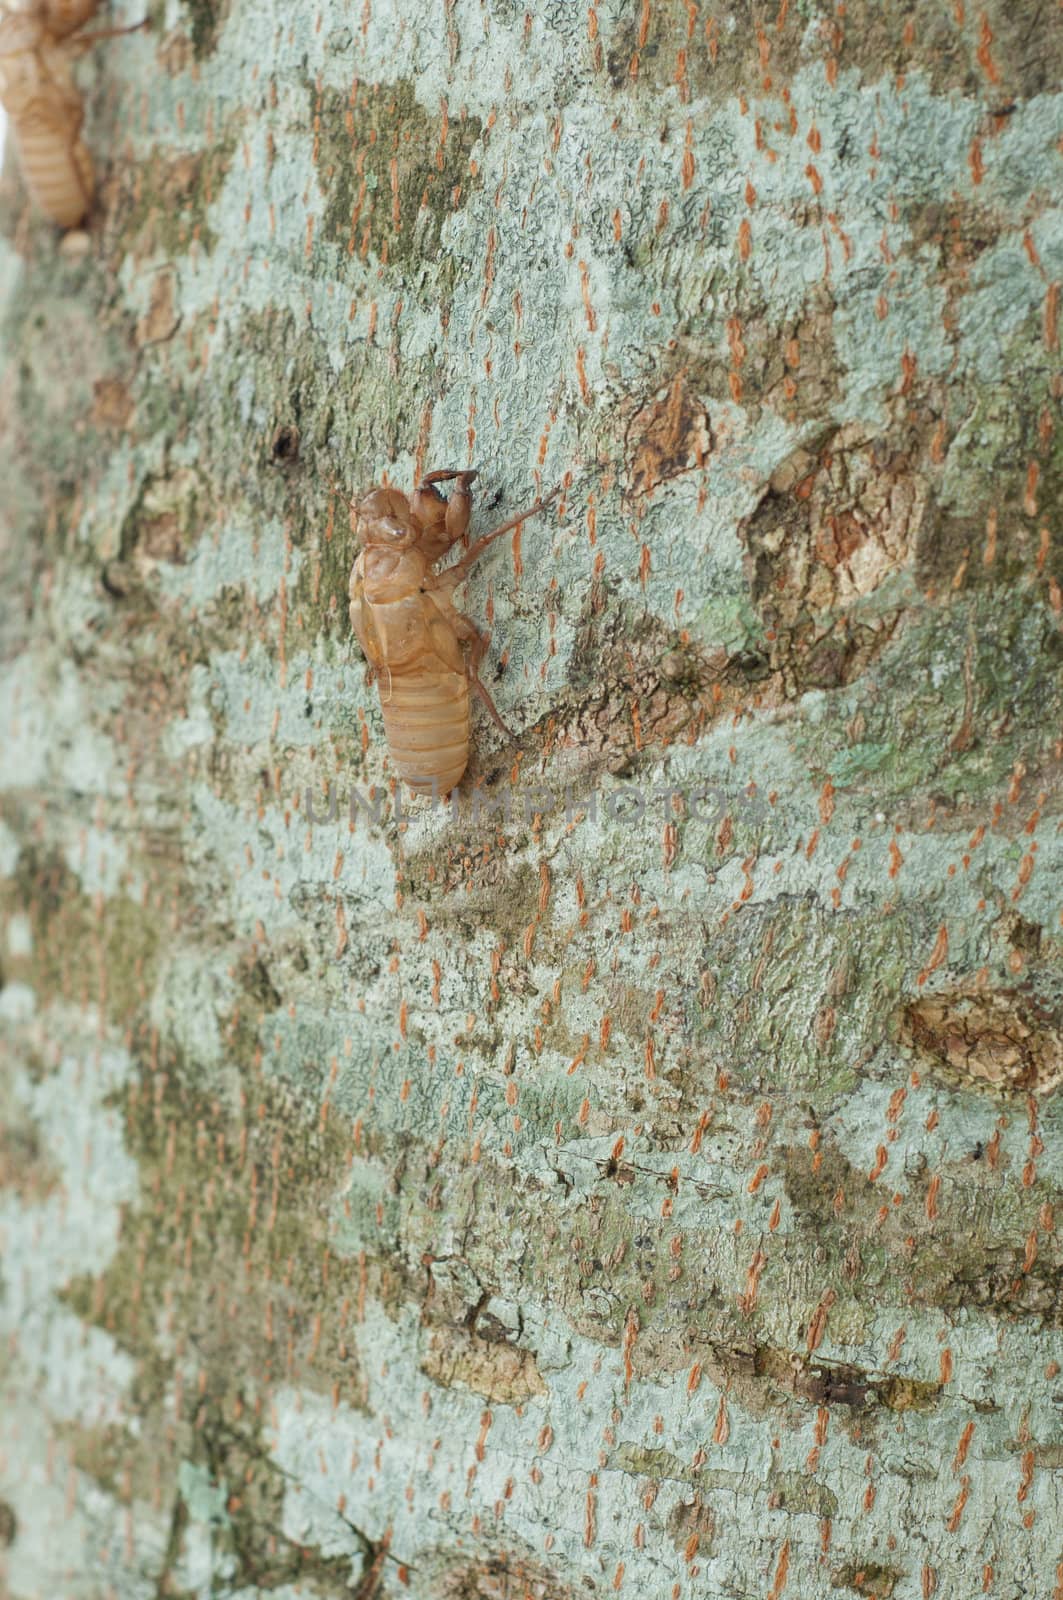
(112, 403)
(671, 435)
(497, 1370)
(635, 689)
(997, 50)
(833, 526)
(757, 1376)
(504, 1577)
(165, 523)
(692, 1527)
(790, 364)
(161, 320)
(999, 1040)
(867, 1578)
(23, 1164)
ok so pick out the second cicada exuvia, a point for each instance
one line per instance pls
(38, 46)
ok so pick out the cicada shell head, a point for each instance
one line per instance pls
(63, 17)
(383, 518)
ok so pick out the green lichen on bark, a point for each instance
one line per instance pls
(392, 170)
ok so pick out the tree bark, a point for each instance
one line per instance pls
(642, 1176)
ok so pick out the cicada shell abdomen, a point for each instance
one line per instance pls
(426, 719)
(56, 165)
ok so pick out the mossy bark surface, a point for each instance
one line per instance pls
(647, 1177)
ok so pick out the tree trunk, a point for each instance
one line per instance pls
(641, 1176)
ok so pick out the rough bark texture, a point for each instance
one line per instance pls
(582, 1203)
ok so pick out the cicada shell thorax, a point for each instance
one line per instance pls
(391, 602)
